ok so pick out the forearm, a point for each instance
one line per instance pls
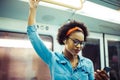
(32, 16)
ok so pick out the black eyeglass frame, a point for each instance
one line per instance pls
(76, 42)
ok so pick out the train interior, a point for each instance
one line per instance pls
(19, 61)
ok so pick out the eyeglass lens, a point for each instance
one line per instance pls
(76, 42)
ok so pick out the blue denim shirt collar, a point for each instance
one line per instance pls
(63, 60)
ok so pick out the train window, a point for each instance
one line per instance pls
(19, 61)
(114, 59)
(92, 51)
(112, 53)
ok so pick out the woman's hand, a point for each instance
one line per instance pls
(34, 3)
(32, 12)
(101, 75)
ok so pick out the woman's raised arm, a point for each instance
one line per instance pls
(32, 11)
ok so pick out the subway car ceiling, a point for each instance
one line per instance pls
(14, 14)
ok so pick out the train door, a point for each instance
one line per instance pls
(112, 50)
(19, 61)
(94, 50)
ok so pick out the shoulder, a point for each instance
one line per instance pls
(86, 61)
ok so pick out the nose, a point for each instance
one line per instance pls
(79, 46)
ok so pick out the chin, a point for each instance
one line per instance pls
(76, 53)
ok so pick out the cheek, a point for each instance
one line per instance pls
(69, 47)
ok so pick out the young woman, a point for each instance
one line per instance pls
(67, 64)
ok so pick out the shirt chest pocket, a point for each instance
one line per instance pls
(60, 71)
(81, 74)
(60, 74)
(60, 67)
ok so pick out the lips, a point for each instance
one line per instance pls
(77, 51)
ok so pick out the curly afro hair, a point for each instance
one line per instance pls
(62, 31)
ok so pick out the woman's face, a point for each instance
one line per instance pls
(74, 43)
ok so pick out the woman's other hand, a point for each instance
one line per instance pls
(101, 75)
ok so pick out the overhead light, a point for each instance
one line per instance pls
(72, 4)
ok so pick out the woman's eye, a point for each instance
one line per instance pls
(76, 41)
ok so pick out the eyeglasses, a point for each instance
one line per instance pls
(76, 42)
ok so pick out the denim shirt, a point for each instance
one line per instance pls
(60, 67)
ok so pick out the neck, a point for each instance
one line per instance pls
(73, 59)
(69, 56)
